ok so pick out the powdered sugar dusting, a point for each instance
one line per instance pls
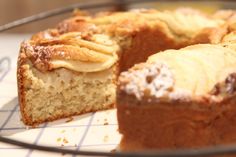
(147, 80)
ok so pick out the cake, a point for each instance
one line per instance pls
(180, 98)
(73, 68)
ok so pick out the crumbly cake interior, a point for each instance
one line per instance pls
(49, 95)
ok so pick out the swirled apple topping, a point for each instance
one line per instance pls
(74, 51)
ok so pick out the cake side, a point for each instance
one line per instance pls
(179, 99)
(151, 126)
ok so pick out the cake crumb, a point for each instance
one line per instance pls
(113, 150)
(69, 119)
(106, 123)
(63, 131)
(58, 139)
(65, 140)
(105, 138)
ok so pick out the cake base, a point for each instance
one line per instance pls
(159, 126)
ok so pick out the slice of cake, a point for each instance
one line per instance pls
(179, 99)
(72, 69)
(55, 75)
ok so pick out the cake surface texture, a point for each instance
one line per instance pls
(73, 68)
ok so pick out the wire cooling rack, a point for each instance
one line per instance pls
(93, 134)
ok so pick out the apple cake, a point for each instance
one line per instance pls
(73, 68)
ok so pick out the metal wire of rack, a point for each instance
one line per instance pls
(207, 151)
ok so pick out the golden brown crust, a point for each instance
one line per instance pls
(77, 24)
(211, 35)
(20, 83)
(145, 49)
(174, 126)
(47, 34)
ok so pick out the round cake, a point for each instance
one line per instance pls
(179, 98)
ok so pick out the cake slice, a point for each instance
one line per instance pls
(56, 75)
(73, 68)
(179, 99)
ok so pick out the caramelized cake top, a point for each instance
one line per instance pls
(87, 43)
